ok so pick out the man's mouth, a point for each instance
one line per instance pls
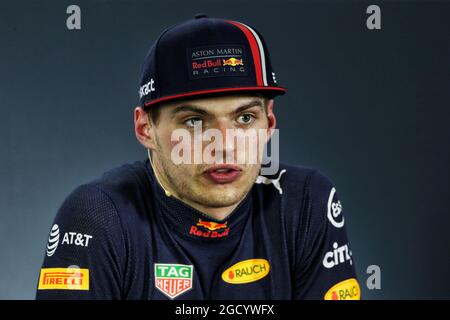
(223, 173)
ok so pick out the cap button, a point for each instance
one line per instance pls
(200, 15)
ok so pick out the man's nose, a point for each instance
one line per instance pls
(228, 146)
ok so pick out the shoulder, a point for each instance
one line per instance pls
(317, 190)
(317, 203)
(292, 181)
(124, 185)
(300, 179)
(306, 193)
(100, 201)
(123, 179)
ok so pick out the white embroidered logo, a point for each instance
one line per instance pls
(275, 182)
(147, 88)
(334, 211)
(53, 240)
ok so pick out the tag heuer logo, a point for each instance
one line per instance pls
(173, 279)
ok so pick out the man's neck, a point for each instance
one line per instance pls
(216, 213)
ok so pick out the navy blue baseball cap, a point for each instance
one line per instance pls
(206, 56)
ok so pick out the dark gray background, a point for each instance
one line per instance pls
(368, 108)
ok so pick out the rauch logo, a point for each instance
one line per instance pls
(246, 271)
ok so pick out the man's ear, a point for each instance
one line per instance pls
(144, 129)
(271, 119)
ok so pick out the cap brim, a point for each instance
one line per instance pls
(271, 92)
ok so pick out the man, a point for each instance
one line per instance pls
(191, 222)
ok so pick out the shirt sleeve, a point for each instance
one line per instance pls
(85, 249)
(325, 268)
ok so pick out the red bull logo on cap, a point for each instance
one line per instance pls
(233, 62)
(216, 61)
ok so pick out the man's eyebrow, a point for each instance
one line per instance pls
(249, 105)
(188, 107)
(199, 110)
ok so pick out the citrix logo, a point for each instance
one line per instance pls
(337, 256)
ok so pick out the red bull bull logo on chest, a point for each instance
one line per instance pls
(209, 229)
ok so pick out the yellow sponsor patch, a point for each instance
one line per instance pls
(64, 278)
(345, 290)
(246, 271)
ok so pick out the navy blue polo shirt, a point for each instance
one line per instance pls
(121, 237)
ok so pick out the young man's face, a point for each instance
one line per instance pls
(207, 184)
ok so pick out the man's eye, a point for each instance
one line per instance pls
(193, 122)
(246, 118)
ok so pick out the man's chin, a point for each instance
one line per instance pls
(221, 196)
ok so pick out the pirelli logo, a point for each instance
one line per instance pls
(64, 279)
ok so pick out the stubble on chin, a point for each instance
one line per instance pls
(200, 191)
